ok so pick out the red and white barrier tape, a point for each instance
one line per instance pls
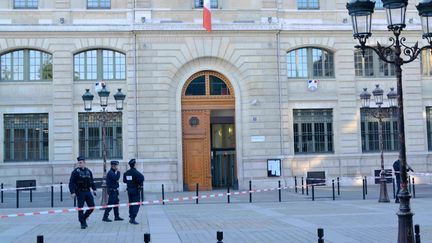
(150, 202)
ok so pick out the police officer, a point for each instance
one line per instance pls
(80, 183)
(396, 169)
(134, 180)
(112, 183)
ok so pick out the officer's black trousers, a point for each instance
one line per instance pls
(134, 196)
(86, 197)
(112, 199)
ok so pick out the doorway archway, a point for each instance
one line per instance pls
(208, 132)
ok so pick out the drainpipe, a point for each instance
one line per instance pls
(280, 91)
(135, 79)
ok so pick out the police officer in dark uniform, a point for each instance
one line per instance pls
(134, 180)
(80, 183)
(112, 183)
(396, 169)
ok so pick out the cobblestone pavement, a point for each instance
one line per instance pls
(264, 220)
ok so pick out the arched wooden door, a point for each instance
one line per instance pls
(203, 92)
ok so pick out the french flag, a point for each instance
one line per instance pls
(207, 15)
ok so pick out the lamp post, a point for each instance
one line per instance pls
(361, 15)
(380, 114)
(104, 117)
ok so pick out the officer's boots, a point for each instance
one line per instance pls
(106, 219)
(116, 215)
(132, 221)
(83, 224)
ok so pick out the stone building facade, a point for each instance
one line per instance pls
(264, 51)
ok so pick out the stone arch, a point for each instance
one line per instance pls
(179, 79)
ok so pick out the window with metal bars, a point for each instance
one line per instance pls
(310, 62)
(370, 131)
(99, 4)
(313, 131)
(308, 4)
(200, 3)
(371, 65)
(100, 64)
(25, 137)
(90, 136)
(24, 4)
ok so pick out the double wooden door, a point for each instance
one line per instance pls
(196, 149)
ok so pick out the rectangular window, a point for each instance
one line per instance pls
(308, 4)
(91, 135)
(429, 127)
(99, 4)
(370, 130)
(313, 131)
(25, 3)
(26, 137)
(200, 3)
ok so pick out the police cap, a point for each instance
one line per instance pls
(79, 158)
(114, 162)
(132, 162)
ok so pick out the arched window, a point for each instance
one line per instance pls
(207, 83)
(426, 63)
(310, 63)
(371, 65)
(26, 64)
(100, 64)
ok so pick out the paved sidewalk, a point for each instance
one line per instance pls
(348, 221)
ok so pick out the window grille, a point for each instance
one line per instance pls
(313, 131)
(25, 137)
(90, 135)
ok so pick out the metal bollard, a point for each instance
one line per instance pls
(302, 186)
(147, 238)
(295, 184)
(228, 194)
(61, 191)
(394, 189)
(163, 194)
(307, 189)
(2, 193)
(417, 233)
(250, 191)
(52, 196)
(280, 192)
(333, 189)
(31, 192)
(40, 239)
(313, 192)
(17, 198)
(196, 193)
(219, 236)
(364, 195)
(365, 183)
(338, 186)
(320, 235)
(413, 187)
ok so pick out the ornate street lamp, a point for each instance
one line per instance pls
(104, 117)
(379, 114)
(395, 11)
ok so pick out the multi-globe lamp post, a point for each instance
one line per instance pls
(379, 114)
(103, 117)
(361, 15)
